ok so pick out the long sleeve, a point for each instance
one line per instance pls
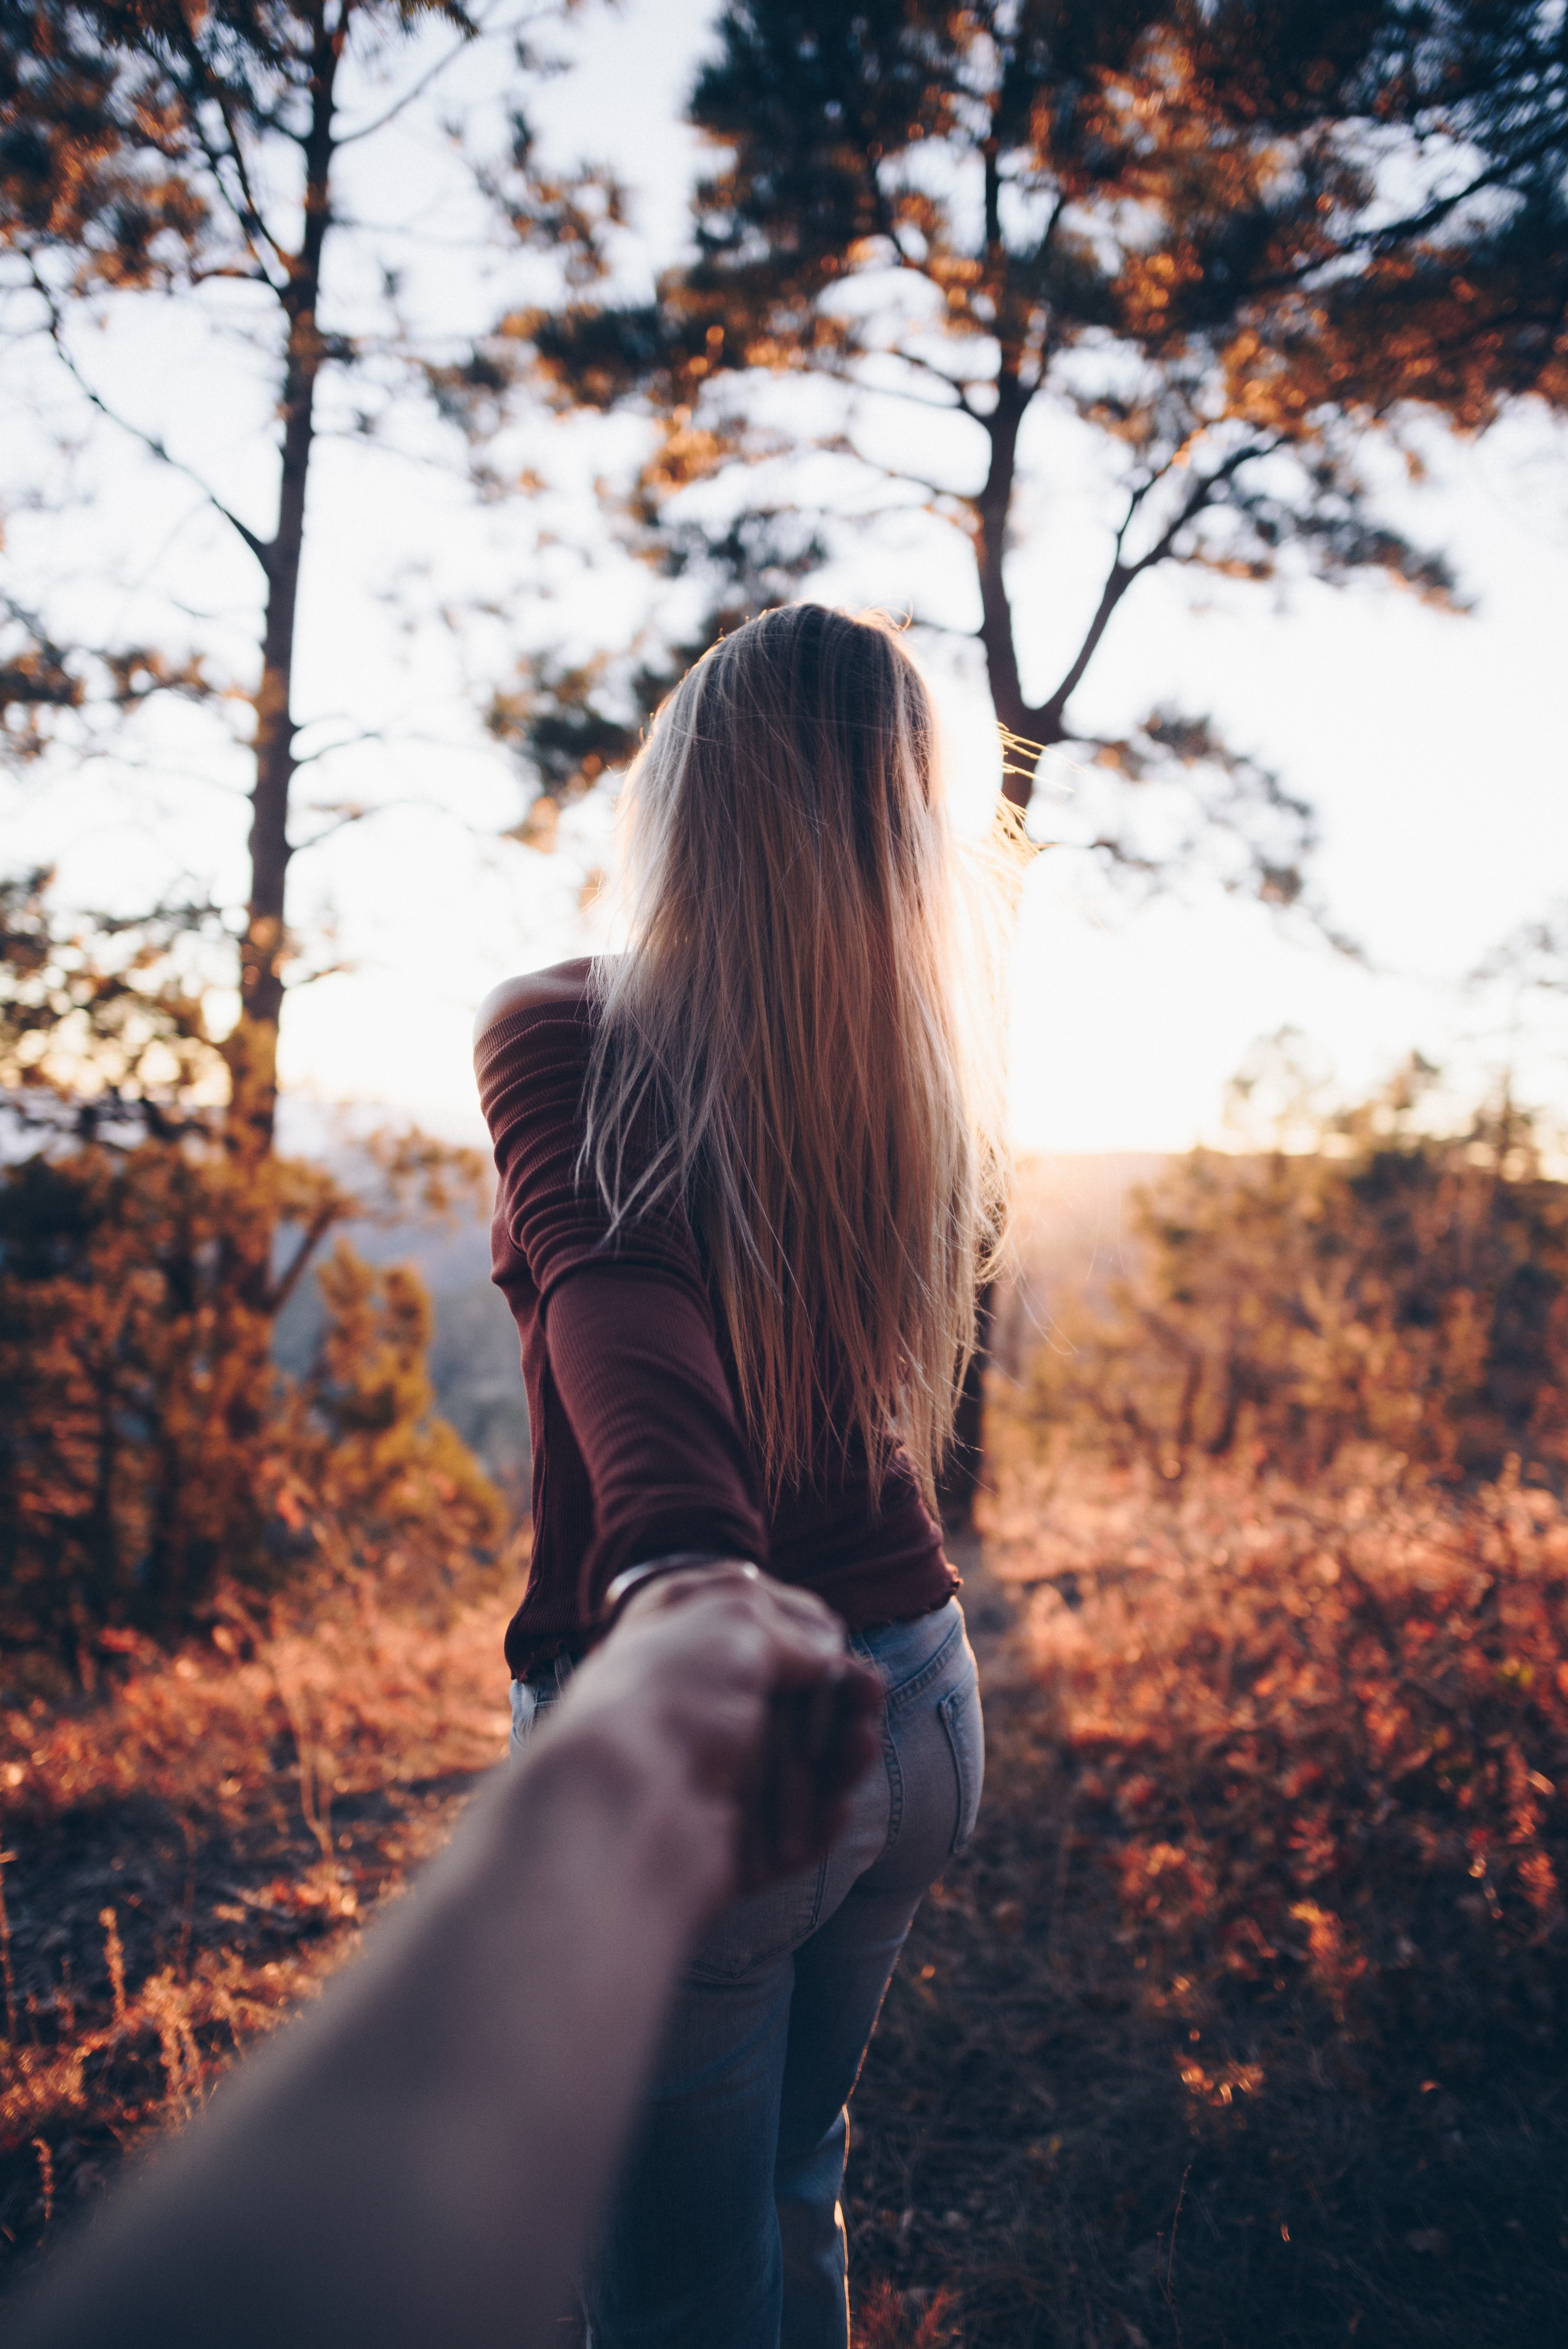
(631, 1351)
(638, 1370)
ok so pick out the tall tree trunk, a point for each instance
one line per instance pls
(990, 531)
(247, 1297)
(964, 1470)
(251, 1051)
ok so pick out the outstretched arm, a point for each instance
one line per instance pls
(420, 2158)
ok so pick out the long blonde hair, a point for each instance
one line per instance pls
(807, 1032)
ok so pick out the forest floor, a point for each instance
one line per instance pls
(1239, 2023)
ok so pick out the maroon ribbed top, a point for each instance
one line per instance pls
(638, 1449)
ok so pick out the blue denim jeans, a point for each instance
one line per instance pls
(725, 2232)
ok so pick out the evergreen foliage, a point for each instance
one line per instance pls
(151, 152)
(1225, 243)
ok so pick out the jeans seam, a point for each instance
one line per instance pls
(947, 1707)
(894, 1769)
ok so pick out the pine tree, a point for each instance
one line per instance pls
(1175, 225)
(158, 152)
(1171, 224)
(148, 151)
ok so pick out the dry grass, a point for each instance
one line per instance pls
(1240, 2021)
(191, 1854)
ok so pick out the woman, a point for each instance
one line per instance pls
(750, 1175)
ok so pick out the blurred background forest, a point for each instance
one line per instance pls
(398, 399)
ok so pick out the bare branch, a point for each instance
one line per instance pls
(348, 742)
(350, 812)
(1441, 208)
(1136, 496)
(152, 441)
(370, 129)
(942, 627)
(1048, 234)
(247, 211)
(934, 490)
(330, 1213)
(961, 402)
(1121, 575)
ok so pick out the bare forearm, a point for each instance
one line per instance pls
(420, 2159)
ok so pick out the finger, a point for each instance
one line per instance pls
(820, 1741)
(752, 1680)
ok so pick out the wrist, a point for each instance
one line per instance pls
(634, 1578)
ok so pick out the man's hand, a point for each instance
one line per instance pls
(746, 1686)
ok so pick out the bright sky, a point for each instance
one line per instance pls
(1431, 746)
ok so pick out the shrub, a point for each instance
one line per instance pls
(1321, 1736)
(148, 1448)
(149, 1451)
(1387, 1287)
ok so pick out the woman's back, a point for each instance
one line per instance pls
(639, 1448)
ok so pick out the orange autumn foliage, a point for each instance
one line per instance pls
(1320, 1735)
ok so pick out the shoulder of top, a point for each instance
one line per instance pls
(564, 986)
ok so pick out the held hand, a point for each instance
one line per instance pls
(746, 1685)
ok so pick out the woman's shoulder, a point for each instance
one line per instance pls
(563, 987)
